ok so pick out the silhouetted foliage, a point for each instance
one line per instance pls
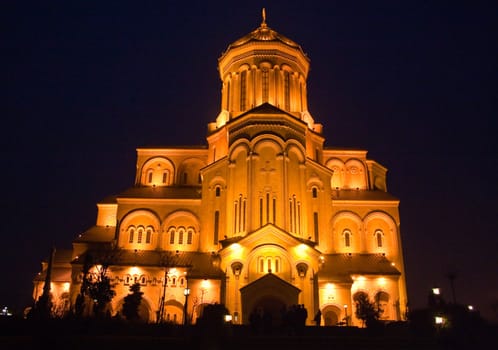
(96, 286)
(366, 310)
(132, 303)
(42, 309)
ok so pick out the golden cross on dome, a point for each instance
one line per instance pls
(263, 14)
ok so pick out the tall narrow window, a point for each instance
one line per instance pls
(287, 90)
(267, 207)
(314, 192)
(240, 213)
(261, 265)
(298, 218)
(165, 177)
(216, 225)
(149, 177)
(315, 225)
(148, 236)
(260, 211)
(218, 191)
(189, 237)
(172, 237)
(227, 107)
(290, 215)
(140, 234)
(180, 237)
(277, 265)
(264, 76)
(132, 233)
(378, 235)
(244, 216)
(295, 212)
(347, 238)
(274, 210)
(243, 77)
(235, 217)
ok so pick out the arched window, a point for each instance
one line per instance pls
(243, 77)
(314, 192)
(132, 233)
(218, 191)
(165, 177)
(189, 236)
(180, 237)
(140, 234)
(277, 265)
(172, 236)
(149, 176)
(379, 238)
(148, 236)
(347, 238)
(261, 265)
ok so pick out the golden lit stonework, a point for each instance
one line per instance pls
(265, 217)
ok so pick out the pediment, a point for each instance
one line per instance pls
(270, 283)
(271, 235)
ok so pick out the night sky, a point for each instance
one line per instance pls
(84, 83)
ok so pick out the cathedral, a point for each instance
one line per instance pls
(264, 216)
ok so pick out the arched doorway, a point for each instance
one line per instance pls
(331, 315)
(269, 293)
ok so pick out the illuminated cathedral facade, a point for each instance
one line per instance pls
(263, 217)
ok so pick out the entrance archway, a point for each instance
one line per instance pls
(331, 315)
(270, 293)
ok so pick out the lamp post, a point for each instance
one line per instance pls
(346, 313)
(186, 292)
(160, 313)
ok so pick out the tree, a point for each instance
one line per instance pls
(132, 303)
(96, 285)
(366, 310)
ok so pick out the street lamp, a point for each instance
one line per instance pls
(186, 292)
(346, 313)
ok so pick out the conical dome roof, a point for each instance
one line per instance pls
(264, 33)
(266, 36)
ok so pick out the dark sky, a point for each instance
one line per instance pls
(84, 83)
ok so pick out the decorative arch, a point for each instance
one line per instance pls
(338, 176)
(157, 171)
(132, 222)
(314, 182)
(346, 220)
(189, 172)
(382, 302)
(295, 148)
(145, 313)
(332, 315)
(266, 140)
(270, 255)
(181, 231)
(240, 145)
(355, 174)
(380, 222)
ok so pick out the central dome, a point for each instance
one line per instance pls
(264, 33)
(263, 66)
